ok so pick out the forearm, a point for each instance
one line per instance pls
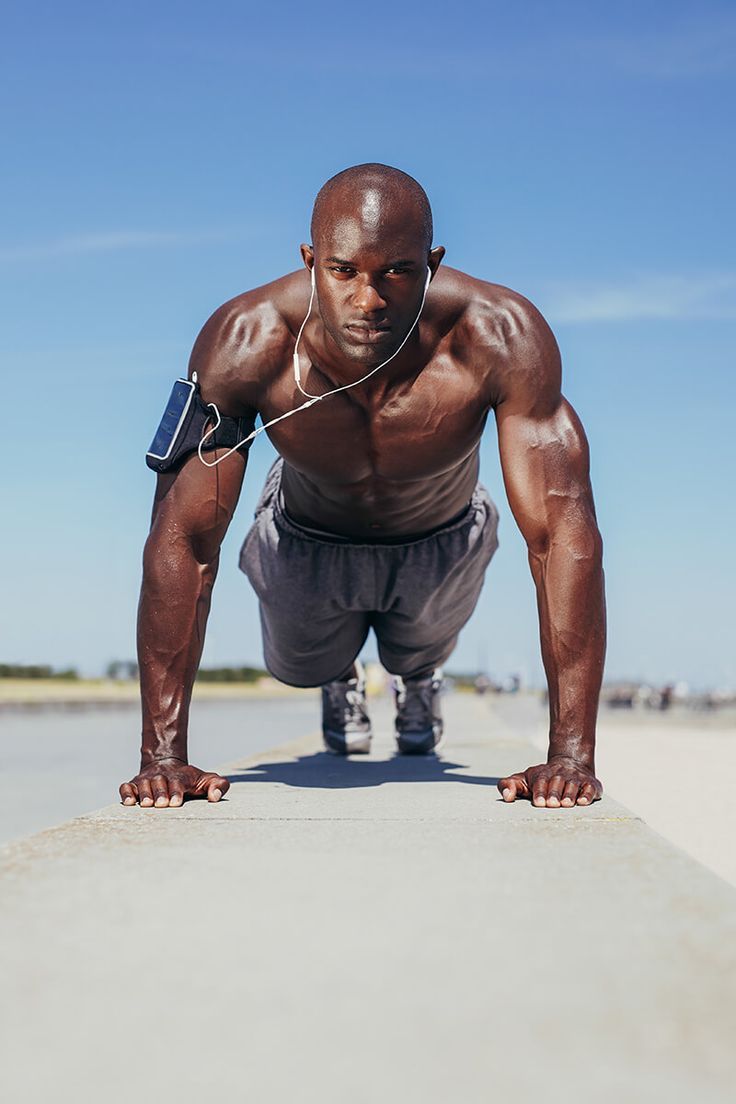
(172, 616)
(572, 618)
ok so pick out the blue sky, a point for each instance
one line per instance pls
(161, 158)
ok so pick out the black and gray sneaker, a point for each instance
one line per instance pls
(419, 728)
(346, 726)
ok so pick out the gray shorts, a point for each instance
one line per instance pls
(320, 594)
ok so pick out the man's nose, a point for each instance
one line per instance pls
(367, 298)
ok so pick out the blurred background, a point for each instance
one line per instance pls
(162, 158)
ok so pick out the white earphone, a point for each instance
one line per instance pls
(312, 399)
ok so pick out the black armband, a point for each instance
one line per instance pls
(184, 424)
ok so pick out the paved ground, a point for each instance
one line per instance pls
(377, 930)
(58, 764)
(673, 769)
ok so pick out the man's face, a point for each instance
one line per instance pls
(370, 267)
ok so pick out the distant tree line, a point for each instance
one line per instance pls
(122, 669)
(127, 669)
(36, 671)
(230, 674)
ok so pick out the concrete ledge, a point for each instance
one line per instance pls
(376, 930)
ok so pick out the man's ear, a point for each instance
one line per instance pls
(434, 258)
(307, 252)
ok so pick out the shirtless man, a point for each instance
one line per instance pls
(373, 517)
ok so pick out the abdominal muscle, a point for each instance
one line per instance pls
(376, 507)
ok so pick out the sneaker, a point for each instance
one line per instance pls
(419, 728)
(346, 726)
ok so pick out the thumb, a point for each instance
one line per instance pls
(516, 785)
(217, 787)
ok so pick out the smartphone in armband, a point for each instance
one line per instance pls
(173, 422)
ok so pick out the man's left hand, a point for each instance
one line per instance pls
(560, 783)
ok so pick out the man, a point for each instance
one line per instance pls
(373, 518)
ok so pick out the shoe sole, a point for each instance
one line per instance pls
(420, 745)
(337, 745)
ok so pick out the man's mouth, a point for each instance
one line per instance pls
(368, 333)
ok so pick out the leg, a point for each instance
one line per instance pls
(307, 651)
(309, 648)
(419, 725)
(346, 726)
(434, 589)
(311, 633)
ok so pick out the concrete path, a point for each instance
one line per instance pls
(378, 930)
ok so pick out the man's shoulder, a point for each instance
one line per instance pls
(244, 342)
(492, 315)
(506, 333)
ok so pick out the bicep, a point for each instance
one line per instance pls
(546, 470)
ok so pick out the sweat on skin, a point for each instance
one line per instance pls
(394, 456)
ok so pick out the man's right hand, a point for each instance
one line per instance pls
(168, 781)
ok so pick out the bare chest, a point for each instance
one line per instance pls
(413, 430)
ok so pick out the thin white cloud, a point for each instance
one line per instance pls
(705, 46)
(653, 296)
(691, 46)
(106, 242)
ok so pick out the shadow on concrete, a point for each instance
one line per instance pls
(329, 772)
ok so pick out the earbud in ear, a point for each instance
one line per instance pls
(312, 275)
(429, 277)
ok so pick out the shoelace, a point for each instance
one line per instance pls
(349, 701)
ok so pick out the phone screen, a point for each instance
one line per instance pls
(176, 411)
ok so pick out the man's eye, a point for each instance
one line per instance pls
(397, 271)
(342, 269)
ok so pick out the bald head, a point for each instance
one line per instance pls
(376, 196)
(370, 256)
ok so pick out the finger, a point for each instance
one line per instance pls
(588, 793)
(160, 789)
(128, 793)
(145, 795)
(555, 786)
(216, 787)
(176, 794)
(570, 793)
(539, 792)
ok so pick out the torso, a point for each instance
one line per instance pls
(396, 455)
